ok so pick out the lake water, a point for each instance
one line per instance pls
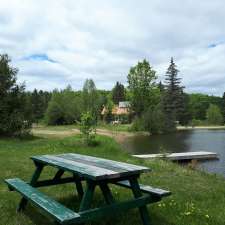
(183, 141)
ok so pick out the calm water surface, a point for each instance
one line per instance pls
(183, 141)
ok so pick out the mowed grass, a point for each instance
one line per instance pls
(197, 199)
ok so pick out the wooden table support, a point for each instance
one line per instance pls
(107, 193)
(79, 186)
(137, 193)
(35, 177)
(87, 197)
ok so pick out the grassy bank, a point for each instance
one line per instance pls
(198, 198)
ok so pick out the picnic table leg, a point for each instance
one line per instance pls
(79, 186)
(87, 197)
(137, 193)
(36, 175)
(107, 193)
(58, 175)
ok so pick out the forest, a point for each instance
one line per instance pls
(155, 106)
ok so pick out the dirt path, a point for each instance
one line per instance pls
(119, 136)
(55, 133)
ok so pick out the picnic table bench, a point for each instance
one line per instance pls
(95, 172)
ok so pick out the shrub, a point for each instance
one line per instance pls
(88, 128)
(154, 120)
(138, 124)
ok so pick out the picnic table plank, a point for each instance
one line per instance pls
(89, 171)
(104, 163)
(90, 167)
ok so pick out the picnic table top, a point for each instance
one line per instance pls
(90, 167)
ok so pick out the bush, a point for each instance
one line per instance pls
(88, 128)
(196, 122)
(154, 120)
(138, 124)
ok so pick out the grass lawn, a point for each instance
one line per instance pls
(197, 198)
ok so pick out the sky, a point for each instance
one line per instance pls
(56, 43)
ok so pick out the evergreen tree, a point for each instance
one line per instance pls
(14, 117)
(118, 93)
(173, 99)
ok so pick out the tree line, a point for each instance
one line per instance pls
(155, 106)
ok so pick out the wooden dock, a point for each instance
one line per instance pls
(181, 156)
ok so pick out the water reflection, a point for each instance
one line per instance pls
(182, 141)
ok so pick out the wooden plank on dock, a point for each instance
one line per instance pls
(181, 156)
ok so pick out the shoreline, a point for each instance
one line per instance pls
(201, 128)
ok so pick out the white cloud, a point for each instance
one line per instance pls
(103, 39)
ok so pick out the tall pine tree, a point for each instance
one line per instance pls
(173, 99)
(118, 93)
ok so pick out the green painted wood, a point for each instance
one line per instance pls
(87, 197)
(146, 189)
(58, 175)
(53, 208)
(105, 163)
(79, 186)
(90, 167)
(107, 193)
(87, 171)
(43, 183)
(35, 177)
(137, 194)
(114, 209)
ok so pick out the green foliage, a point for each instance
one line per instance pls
(88, 128)
(109, 106)
(173, 98)
(199, 103)
(137, 124)
(154, 120)
(214, 115)
(63, 108)
(15, 118)
(118, 93)
(39, 103)
(91, 101)
(141, 80)
(223, 106)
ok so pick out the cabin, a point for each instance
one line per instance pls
(120, 113)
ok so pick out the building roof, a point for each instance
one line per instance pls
(124, 104)
(122, 109)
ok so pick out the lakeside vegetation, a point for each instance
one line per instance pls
(197, 197)
(153, 106)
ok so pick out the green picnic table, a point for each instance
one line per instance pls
(94, 172)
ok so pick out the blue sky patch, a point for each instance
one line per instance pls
(212, 45)
(39, 57)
